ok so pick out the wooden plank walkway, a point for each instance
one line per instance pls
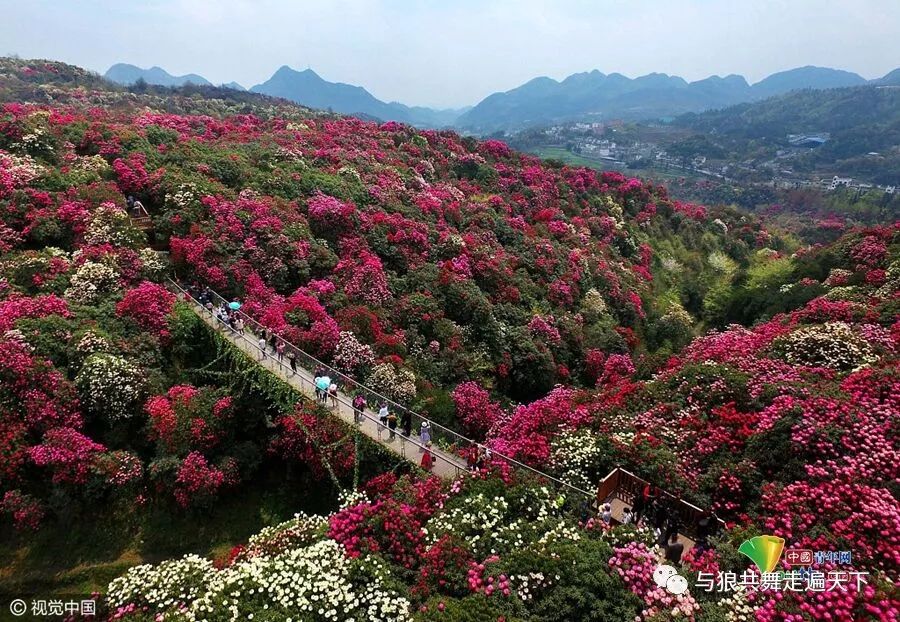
(446, 465)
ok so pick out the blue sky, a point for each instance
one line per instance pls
(452, 53)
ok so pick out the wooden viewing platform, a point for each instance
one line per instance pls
(140, 217)
(620, 489)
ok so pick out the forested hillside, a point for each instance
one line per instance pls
(859, 120)
(558, 315)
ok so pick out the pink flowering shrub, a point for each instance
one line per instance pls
(197, 482)
(330, 215)
(635, 563)
(69, 454)
(475, 409)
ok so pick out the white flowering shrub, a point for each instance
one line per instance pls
(110, 386)
(317, 582)
(492, 527)
(163, 586)
(91, 281)
(737, 608)
(593, 304)
(271, 541)
(405, 389)
(87, 344)
(892, 280)
(187, 195)
(670, 264)
(845, 292)
(351, 356)
(22, 169)
(834, 345)
(575, 456)
(153, 264)
(399, 385)
(95, 164)
(676, 325)
(110, 224)
(720, 262)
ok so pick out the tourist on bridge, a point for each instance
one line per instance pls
(472, 459)
(640, 504)
(239, 325)
(359, 406)
(322, 385)
(406, 423)
(479, 458)
(273, 341)
(383, 414)
(392, 425)
(427, 458)
(425, 433)
(333, 393)
(316, 383)
(674, 550)
(262, 348)
(606, 513)
(279, 350)
(292, 361)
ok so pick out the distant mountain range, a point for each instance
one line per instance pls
(541, 101)
(123, 73)
(597, 96)
(307, 88)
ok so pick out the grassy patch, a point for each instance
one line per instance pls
(83, 555)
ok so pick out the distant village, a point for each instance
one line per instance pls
(592, 141)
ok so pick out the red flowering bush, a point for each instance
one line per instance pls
(26, 511)
(149, 305)
(68, 454)
(197, 482)
(314, 439)
(187, 418)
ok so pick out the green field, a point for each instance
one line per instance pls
(573, 159)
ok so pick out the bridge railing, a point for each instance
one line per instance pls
(626, 486)
(441, 436)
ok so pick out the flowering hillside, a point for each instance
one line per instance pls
(448, 257)
(563, 317)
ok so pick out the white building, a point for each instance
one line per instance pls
(836, 182)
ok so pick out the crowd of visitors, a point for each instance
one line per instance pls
(326, 388)
(656, 511)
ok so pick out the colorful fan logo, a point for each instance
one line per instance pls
(764, 551)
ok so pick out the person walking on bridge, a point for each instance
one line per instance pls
(292, 361)
(333, 393)
(392, 425)
(425, 433)
(262, 347)
(359, 405)
(427, 459)
(383, 415)
(406, 423)
(322, 385)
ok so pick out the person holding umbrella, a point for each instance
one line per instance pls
(322, 385)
